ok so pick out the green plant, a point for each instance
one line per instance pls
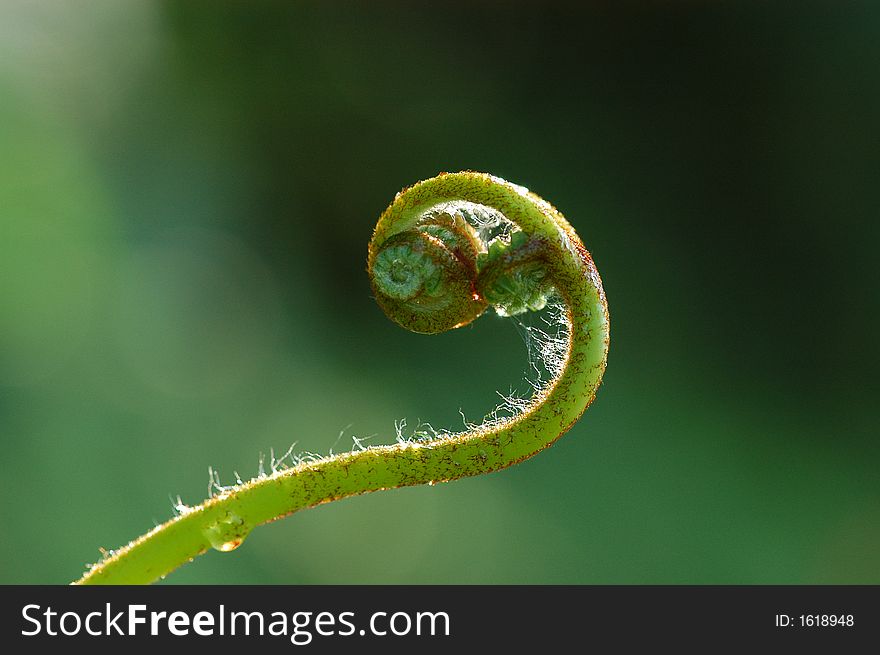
(444, 250)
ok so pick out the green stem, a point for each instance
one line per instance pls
(222, 522)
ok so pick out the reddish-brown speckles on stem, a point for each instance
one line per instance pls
(489, 447)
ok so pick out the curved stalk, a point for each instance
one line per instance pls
(431, 271)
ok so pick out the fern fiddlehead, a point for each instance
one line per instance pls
(444, 250)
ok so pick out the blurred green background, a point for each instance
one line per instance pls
(187, 190)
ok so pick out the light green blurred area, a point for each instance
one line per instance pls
(186, 195)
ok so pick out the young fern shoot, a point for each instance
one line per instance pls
(444, 251)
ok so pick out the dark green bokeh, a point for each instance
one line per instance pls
(186, 195)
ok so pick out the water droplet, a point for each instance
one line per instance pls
(227, 533)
